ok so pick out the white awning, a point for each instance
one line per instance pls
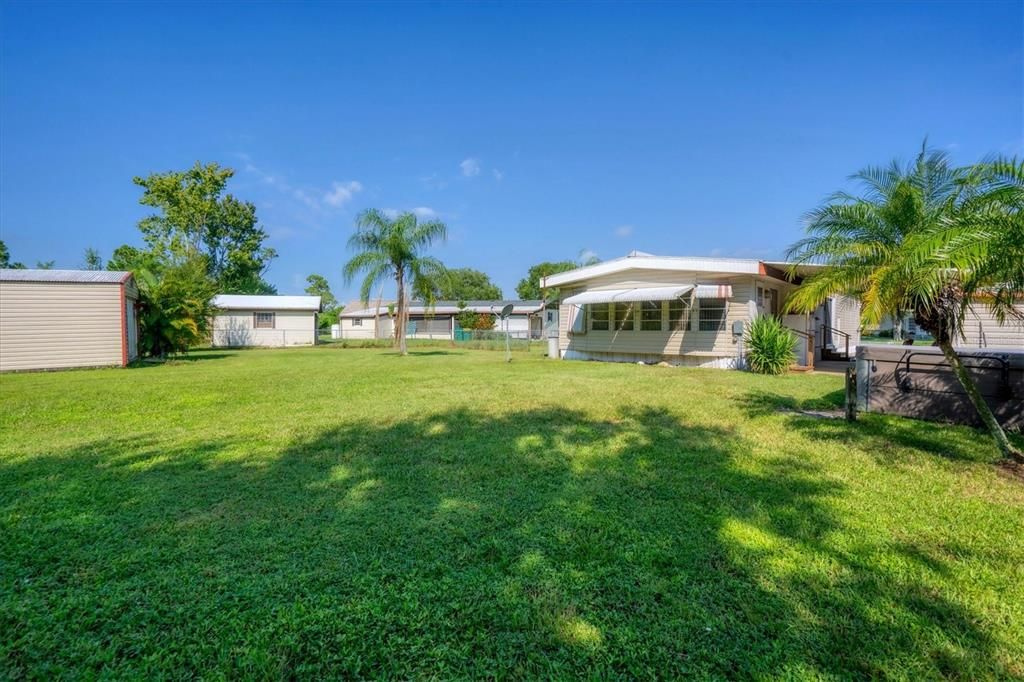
(629, 295)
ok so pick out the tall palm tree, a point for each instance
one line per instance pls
(393, 248)
(943, 256)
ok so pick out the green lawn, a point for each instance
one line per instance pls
(333, 512)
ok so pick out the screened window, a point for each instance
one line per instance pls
(624, 317)
(599, 317)
(357, 322)
(263, 320)
(712, 314)
(650, 316)
(678, 315)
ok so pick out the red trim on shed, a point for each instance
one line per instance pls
(124, 325)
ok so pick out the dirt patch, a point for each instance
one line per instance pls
(1011, 469)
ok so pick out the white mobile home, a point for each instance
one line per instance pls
(438, 321)
(55, 319)
(271, 321)
(688, 311)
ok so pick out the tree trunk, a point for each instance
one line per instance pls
(400, 313)
(984, 411)
(897, 326)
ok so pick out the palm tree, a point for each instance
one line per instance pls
(897, 201)
(942, 255)
(392, 248)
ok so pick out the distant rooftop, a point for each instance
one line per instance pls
(449, 308)
(65, 276)
(248, 302)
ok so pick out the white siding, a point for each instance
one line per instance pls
(982, 329)
(351, 330)
(698, 347)
(234, 328)
(53, 325)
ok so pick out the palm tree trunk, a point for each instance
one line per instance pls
(400, 313)
(897, 325)
(984, 411)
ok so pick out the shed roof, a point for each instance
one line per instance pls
(247, 302)
(65, 276)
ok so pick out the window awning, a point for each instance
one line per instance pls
(629, 295)
(713, 291)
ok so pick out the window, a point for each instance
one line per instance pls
(357, 322)
(599, 317)
(263, 320)
(712, 314)
(650, 316)
(624, 317)
(678, 315)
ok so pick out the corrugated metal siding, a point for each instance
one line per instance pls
(662, 343)
(983, 330)
(291, 328)
(59, 325)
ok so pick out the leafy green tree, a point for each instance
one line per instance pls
(389, 248)
(467, 284)
(529, 287)
(5, 259)
(196, 217)
(132, 259)
(318, 286)
(175, 307)
(45, 264)
(946, 253)
(93, 259)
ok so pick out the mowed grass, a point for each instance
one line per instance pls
(324, 513)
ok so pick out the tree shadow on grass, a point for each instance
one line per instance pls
(542, 543)
(876, 434)
(184, 358)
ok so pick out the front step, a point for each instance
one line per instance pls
(800, 368)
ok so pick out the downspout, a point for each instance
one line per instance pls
(124, 322)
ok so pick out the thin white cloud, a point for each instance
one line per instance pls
(305, 198)
(342, 192)
(498, 175)
(470, 167)
(433, 181)
(421, 212)
(623, 231)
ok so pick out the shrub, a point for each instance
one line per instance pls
(770, 346)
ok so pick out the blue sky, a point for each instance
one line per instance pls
(534, 131)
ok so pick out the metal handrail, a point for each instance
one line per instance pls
(832, 330)
(1004, 367)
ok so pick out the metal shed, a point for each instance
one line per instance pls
(57, 319)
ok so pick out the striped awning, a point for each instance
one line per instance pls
(713, 291)
(629, 295)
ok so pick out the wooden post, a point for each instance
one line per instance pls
(851, 394)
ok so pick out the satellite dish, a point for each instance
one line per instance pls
(506, 311)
